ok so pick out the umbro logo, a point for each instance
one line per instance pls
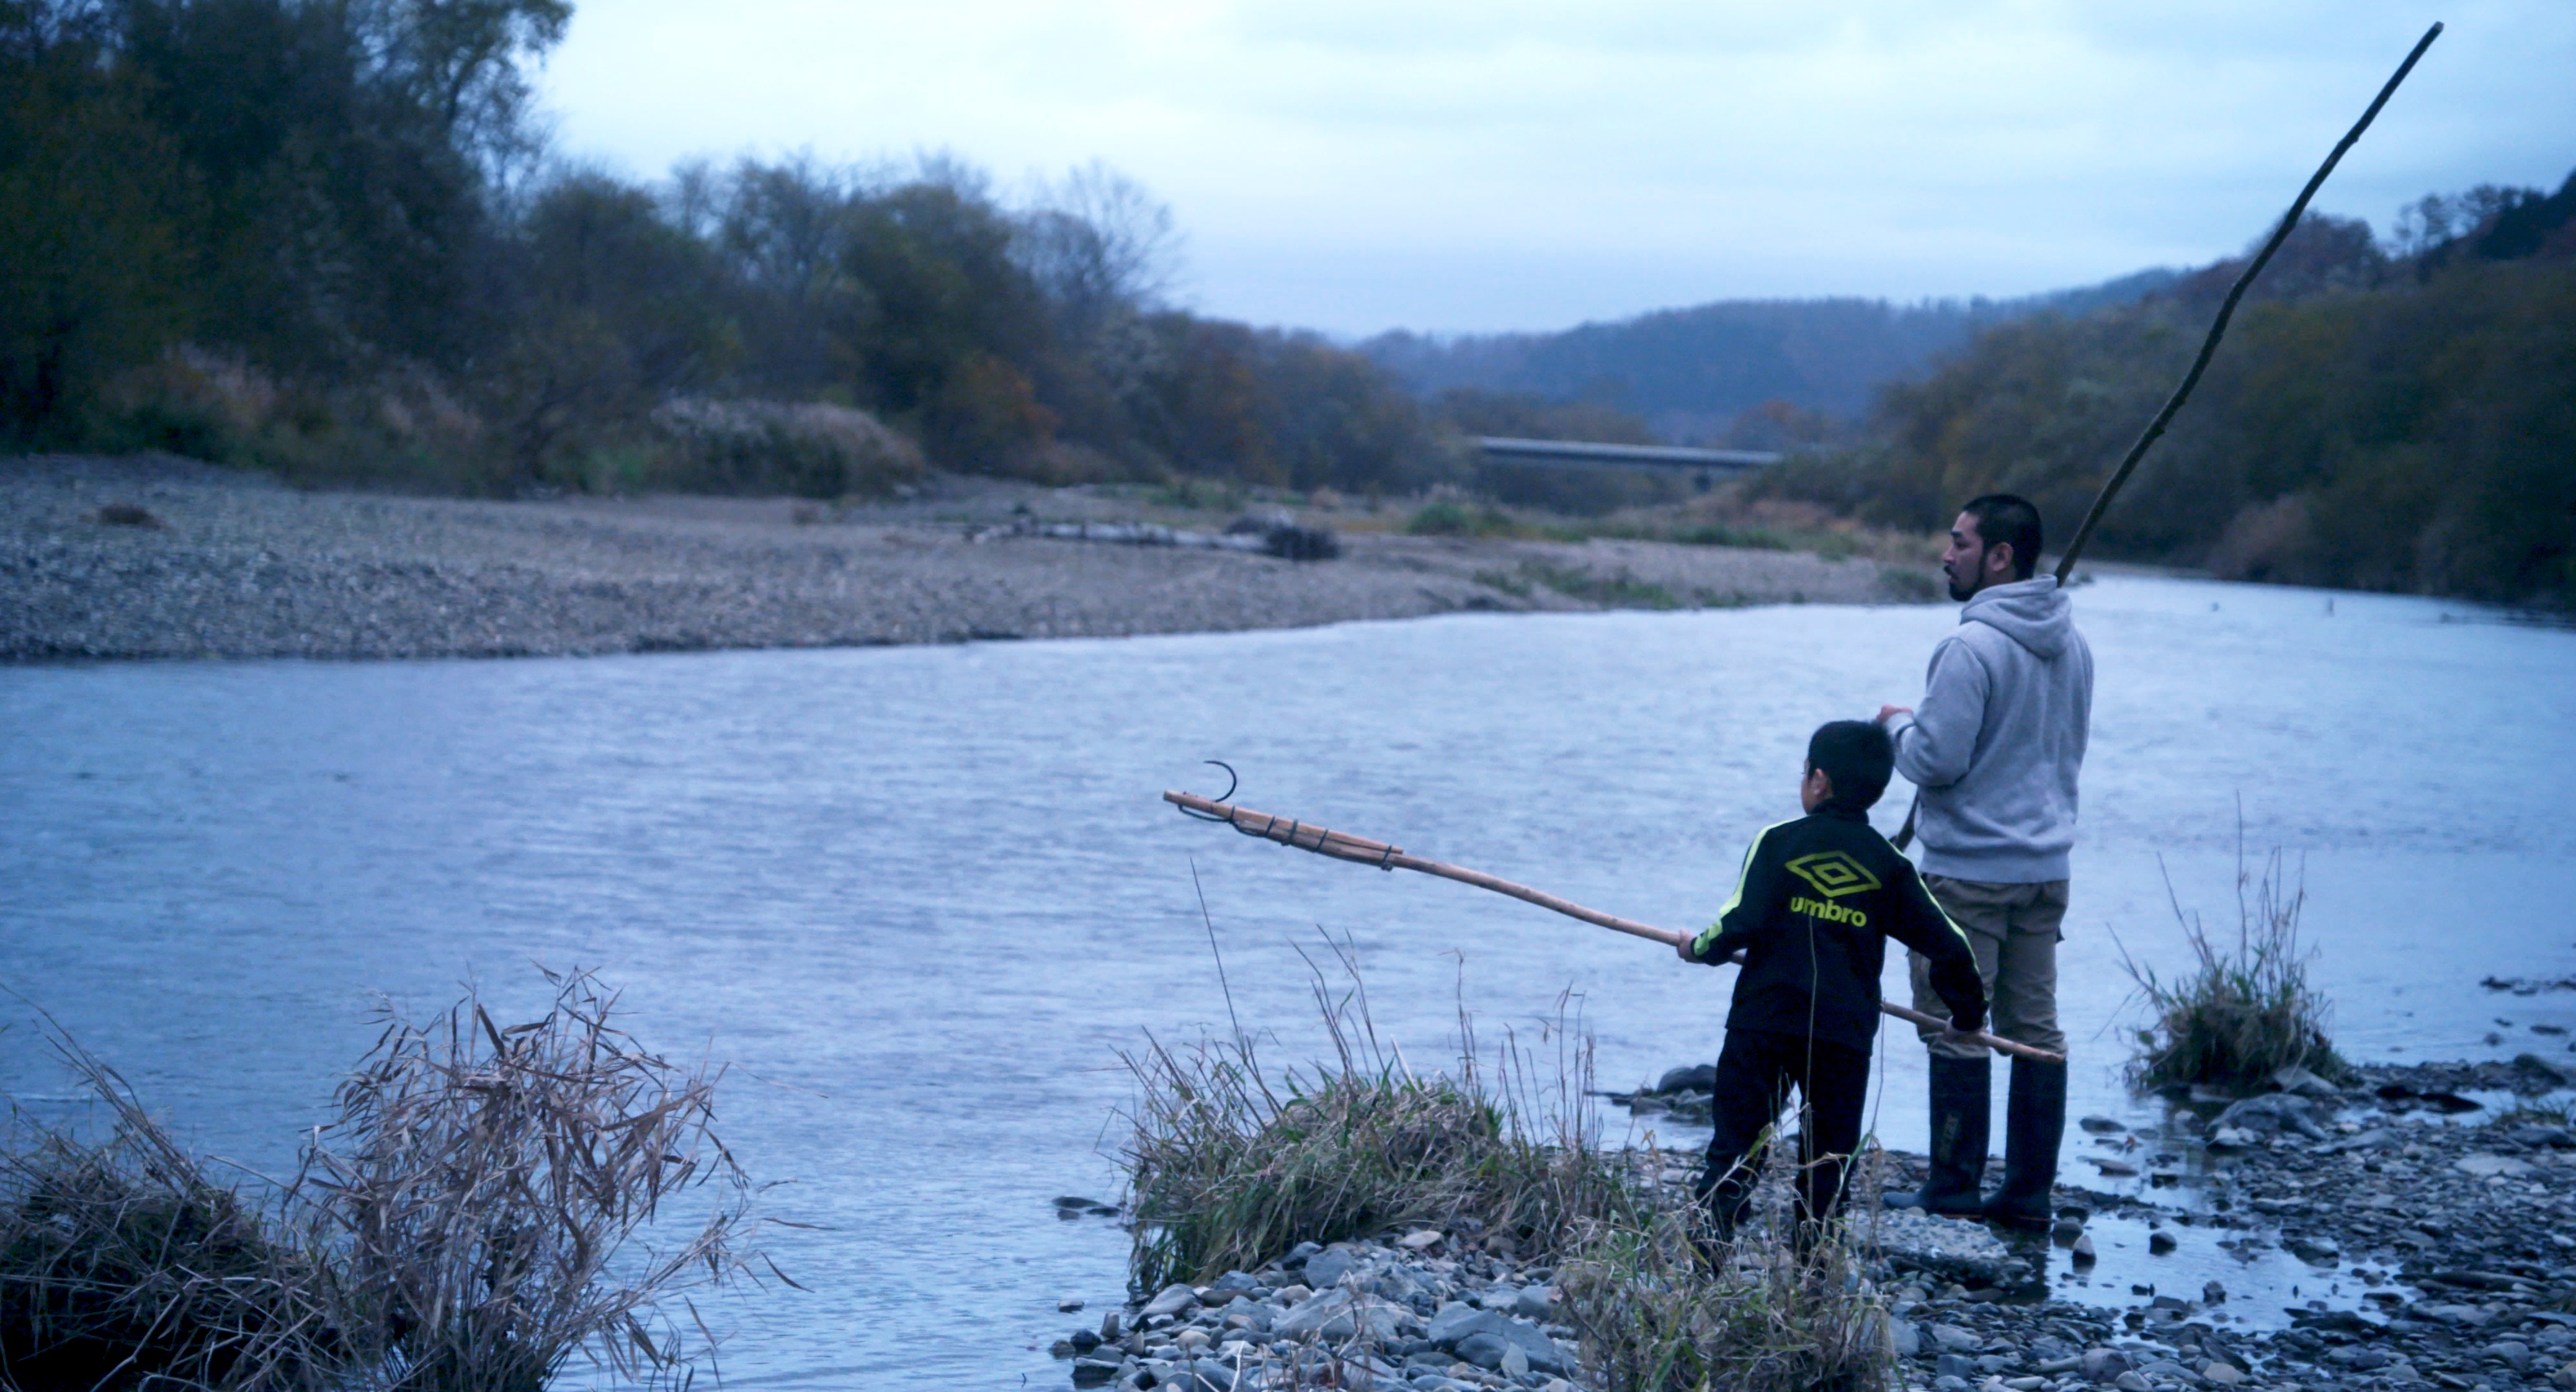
(1833, 873)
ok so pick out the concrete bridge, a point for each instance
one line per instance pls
(1583, 454)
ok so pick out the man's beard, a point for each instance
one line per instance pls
(1958, 595)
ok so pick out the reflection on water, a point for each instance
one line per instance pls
(919, 896)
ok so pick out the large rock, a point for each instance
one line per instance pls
(1337, 1315)
(1324, 1270)
(1480, 1336)
(1701, 1078)
(2277, 1111)
(1247, 1313)
(2467, 1316)
(1171, 1300)
(2371, 1139)
(2293, 1078)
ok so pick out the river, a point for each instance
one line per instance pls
(920, 897)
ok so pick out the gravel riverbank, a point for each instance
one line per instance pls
(2414, 1230)
(159, 557)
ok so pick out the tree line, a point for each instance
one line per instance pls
(1692, 374)
(2393, 417)
(321, 236)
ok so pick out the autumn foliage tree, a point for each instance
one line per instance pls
(321, 236)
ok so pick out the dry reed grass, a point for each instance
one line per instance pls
(479, 1213)
(481, 1186)
(808, 449)
(124, 1264)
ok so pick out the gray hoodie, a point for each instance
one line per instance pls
(1998, 740)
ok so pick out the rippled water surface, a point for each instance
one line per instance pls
(920, 896)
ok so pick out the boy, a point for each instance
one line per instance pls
(1818, 899)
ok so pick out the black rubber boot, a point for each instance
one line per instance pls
(2034, 1123)
(1962, 1114)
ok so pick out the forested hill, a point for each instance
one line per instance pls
(1690, 372)
(2396, 416)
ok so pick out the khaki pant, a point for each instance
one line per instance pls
(2013, 929)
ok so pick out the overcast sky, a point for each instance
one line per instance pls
(1448, 165)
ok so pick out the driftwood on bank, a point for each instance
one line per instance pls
(1278, 537)
(1341, 845)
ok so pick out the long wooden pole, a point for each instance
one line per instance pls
(2227, 311)
(1360, 850)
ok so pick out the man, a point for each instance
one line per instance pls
(1994, 749)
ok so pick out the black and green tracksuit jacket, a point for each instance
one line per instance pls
(1818, 899)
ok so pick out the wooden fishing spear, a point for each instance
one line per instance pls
(2208, 348)
(2218, 326)
(1341, 845)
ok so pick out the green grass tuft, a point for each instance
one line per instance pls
(2240, 1015)
(1654, 1317)
(1229, 1165)
(1447, 518)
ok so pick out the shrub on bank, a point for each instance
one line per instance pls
(808, 450)
(2241, 1014)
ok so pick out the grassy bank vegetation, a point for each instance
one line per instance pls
(2396, 418)
(2243, 1012)
(1231, 1163)
(480, 1212)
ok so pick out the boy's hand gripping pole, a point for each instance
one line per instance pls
(1340, 845)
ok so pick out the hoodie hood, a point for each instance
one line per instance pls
(2034, 613)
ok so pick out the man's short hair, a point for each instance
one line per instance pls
(2004, 518)
(1857, 755)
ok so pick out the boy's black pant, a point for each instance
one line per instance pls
(1754, 1074)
